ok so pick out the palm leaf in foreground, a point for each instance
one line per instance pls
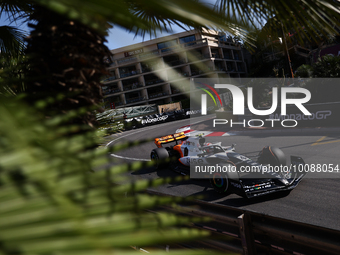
(51, 200)
(12, 41)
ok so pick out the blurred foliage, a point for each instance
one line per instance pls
(304, 71)
(144, 17)
(323, 87)
(312, 19)
(60, 193)
(11, 41)
(11, 76)
(58, 196)
(327, 66)
(65, 57)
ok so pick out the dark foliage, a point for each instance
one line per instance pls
(66, 58)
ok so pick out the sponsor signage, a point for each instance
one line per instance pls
(196, 112)
(133, 52)
(154, 120)
(323, 114)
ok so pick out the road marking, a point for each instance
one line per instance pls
(216, 134)
(138, 159)
(194, 133)
(138, 131)
(337, 141)
(318, 142)
(145, 251)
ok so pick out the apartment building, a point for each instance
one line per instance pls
(157, 71)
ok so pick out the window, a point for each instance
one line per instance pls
(187, 39)
(164, 45)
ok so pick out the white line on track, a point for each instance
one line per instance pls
(143, 129)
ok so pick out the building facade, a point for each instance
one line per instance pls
(155, 71)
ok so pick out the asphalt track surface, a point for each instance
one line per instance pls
(315, 200)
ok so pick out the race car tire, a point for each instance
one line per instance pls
(273, 156)
(159, 155)
(220, 182)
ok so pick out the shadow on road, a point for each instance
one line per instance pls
(236, 201)
(208, 194)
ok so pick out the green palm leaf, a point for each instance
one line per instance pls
(11, 41)
(52, 201)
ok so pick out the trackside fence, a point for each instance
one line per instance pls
(248, 232)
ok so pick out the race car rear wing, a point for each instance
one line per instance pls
(170, 138)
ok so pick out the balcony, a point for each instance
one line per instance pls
(228, 56)
(126, 60)
(178, 75)
(195, 43)
(158, 94)
(131, 73)
(175, 91)
(109, 79)
(220, 68)
(241, 69)
(151, 82)
(176, 62)
(196, 72)
(109, 104)
(229, 44)
(146, 69)
(195, 57)
(111, 91)
(170, 49)
(184, 45)
(183, 89)
(115, 103)
(237, 56)
(134, 100)
(132, 86)
(199, 72)
(215, 55)
(149, 54)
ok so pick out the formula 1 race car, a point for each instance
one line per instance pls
(266, 173)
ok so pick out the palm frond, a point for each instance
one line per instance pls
(148, 16)
(11, 41)
(311, 18)
(52, 201)
(16, 9)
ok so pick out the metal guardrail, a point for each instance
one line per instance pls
(129, 111)
(249, 232)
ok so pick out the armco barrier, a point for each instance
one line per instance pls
(249, 232)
